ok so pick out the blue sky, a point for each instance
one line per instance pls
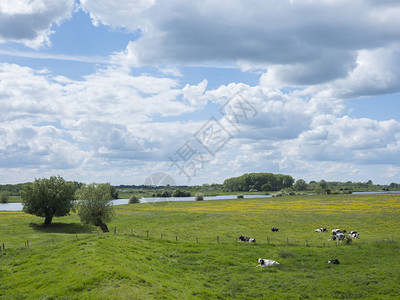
(115, 91)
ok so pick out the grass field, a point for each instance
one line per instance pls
(171, 251)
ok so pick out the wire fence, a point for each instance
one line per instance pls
(272, 240)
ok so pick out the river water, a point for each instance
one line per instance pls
(18, 206)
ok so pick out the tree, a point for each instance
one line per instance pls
(95, 205)
(134, 199)
(300, 185)
(199, 197)
(114, 192)
(4, 197)
(318, 190)
(323, 184)
(48, 198)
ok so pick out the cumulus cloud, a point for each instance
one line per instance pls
(376, 73)
(110, 115)
(299, 42)
(29, 22)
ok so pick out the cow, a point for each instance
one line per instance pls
(336, 231)
(266, 263)
(247, 239)
(333, 261)
(354, 234)
(338, 237)
(321, 230)
(273, 229)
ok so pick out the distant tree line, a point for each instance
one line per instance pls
(258, 182)
(336, 186)
(172, 193)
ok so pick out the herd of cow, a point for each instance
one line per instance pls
(337, 235)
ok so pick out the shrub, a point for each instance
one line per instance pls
(348, 240)
(199, 197)
(240, 196)
(179, 193)
(4, 197)
(134, 199)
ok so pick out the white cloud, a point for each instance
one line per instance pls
(52, 121)
(376, 73)
(117, 13)
(29, 22)
(303, 42)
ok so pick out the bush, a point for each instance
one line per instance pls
(134, 199)
(4, 197)
(240, 196)
(348, 240)
(179, 193)
(199, 197)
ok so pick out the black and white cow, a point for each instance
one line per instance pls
(354, 234)
(273, 229)
(266, 262)
(336, 231)
(333, 261)
(321, 230)
(247, 239)
(338, 237)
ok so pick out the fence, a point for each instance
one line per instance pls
(273, 240)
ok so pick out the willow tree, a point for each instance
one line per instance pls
(94, 205)
(48, 198)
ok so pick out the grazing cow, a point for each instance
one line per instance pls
(266, 263)
(333, 261)
(247, 239)
(354, 234)
(336, 231)
(321, 230)
(273, 229)
(338, 237)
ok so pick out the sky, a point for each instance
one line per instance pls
(132, 92)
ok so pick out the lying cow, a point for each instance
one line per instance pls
(333, 261)
(321, 230)
(266, 263)
(354, 234)
(273, 229)
(247, 239)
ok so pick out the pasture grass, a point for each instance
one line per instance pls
(70, 260)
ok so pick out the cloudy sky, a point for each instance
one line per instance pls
(118, 90)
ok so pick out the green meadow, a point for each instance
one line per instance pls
(189, 250)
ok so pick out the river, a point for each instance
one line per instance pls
(18, 206)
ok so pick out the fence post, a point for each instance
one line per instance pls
(287, 241)
(147, 233)
(115, 229)
(176, 238)
(268, 239)
(27, 244)
(161, 235)
(197, 240)
(217, 239)
(307, 243)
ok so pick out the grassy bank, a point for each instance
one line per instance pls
(188, 250)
